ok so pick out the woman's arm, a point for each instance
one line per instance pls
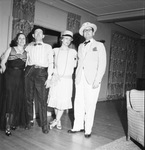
(4, 59)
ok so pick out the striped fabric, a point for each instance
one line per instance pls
(135, 114)
(137, 99)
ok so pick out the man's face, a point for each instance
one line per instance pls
(88, 33)
(38, 35)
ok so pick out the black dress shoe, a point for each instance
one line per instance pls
(45, 129)
(71, 131)
(87, 135)
(8, 132)
(13, 127)
(32, 123)
(28, 126)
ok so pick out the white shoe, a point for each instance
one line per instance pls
(58, 126)
(49, 114)
(53, 124)
(52, 121)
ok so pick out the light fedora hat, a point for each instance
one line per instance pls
(67, 33)
(86, 25)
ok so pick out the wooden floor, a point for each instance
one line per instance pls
(109, 124)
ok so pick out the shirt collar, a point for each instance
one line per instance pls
(88, 41)
(38, 43)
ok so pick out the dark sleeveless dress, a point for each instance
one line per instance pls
(13, 97)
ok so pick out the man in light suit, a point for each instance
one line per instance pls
(89, 74)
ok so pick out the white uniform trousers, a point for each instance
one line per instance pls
(85, 105)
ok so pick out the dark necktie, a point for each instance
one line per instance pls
(35, 44)
(85, 43)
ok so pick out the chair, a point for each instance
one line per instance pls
(135, 115)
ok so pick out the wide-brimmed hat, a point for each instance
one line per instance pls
(86, 25)
(67, 33)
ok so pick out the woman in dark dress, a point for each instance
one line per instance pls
(13, 102)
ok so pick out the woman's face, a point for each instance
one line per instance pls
(21, 40)
(66, 40)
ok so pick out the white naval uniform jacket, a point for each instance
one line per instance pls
(93, 62)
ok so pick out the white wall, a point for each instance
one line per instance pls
(5, 24)
(50, 17)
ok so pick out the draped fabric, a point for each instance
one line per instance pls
(23, 16)
(131, 63)
(122, 67)
(73, 22)
(143, 68)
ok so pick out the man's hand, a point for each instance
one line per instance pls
(3, 68)
(1, 71)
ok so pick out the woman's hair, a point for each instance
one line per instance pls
(14, 42)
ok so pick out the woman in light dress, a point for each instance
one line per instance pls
(60, 94)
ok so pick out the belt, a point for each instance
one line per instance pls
(16, 68)
(39, 67)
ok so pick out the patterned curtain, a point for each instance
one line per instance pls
(122, 69)
(131, 63)
(73, 22)
(23, 16)
(143, 68)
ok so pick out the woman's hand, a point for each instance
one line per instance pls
(48, 83)
(3, 68)
(96, 84)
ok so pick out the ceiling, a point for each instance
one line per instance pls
(129, 14)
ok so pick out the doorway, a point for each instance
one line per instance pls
(52, 37)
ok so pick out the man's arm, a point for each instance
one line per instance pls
(101, 65)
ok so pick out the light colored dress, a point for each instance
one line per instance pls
(60, 93)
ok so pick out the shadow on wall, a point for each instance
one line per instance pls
(77, 39)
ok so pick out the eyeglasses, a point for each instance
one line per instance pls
(87, 30)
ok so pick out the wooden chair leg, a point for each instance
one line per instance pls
(128, 137)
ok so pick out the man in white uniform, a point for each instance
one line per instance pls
(89, 74)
